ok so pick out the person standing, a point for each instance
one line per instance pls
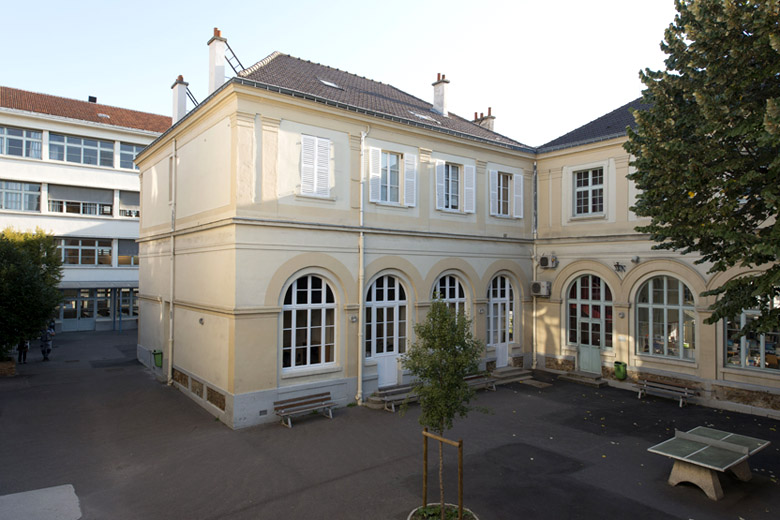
(46, 335)
(22, 347)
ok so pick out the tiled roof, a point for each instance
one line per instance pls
(605, 127)
(335, 85)
(81, 110)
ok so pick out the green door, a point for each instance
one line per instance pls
(590, 321)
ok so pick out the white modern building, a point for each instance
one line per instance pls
(66, 166)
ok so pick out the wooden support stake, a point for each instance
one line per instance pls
(425, 468)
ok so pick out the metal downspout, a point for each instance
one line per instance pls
(172, 203)
(535, 229)
(361, 272)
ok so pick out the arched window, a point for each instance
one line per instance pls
(308, 323)
(590, 312)
(501, 310)
(449, 290)
(753, 350)
(665, 319)
(385, 317)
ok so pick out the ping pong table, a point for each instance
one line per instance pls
(699, 454)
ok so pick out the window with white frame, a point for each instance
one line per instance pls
(449, 290)
(80, 200)
(308, 323)
(589, 306)
(753, 350)
(506, 194)
(392, 177)
(315, 166)
(81, 150)
(455, 187)
(85, 251)
(589, 192)
(129, 204)
(20, 196)
(666, 319)
(127, 153)
(79, 208)
(385, 328)
(20, 142)
(127, 252)
(501, 307)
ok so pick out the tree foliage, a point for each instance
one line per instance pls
(707, 151)
(30, 270)
(445, 352)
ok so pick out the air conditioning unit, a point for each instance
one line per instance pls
(548, 262)
(540, 288)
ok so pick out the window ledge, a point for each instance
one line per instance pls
(292, 373)
(579, 218)
(313, 198)
(389, 205)
(752, 371)
(454, 212)
(506, 217)
(668, 360)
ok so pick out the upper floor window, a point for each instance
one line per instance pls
(506, 194)
(20, 142)
(85, 251)
(386, 170)
(129, 204)
(666, 319)
(455, 187)
(589, 192)
(315, 166)
(80, 208)
(81, 150)
(20, 196)
(753, 350)
(127, 153)
(449, 290)
(308, 323)
(80, 200)
(127, 253)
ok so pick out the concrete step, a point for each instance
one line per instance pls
(505, 375)
(584, 378)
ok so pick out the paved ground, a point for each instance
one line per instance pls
(95, 423)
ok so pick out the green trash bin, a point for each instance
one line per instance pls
(157, 358)
(620, 370)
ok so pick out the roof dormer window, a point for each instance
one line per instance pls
(329, 83)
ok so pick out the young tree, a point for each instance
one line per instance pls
(707, 151)
(30, 269)
(445, 352)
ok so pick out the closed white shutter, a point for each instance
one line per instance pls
(375, 174)
(323, 168)
(439, 184)
(469, 189)
(494, 192)
(308, 161)
(517, 181)
(410, 179)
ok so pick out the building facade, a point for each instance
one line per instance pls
(298, 223)
(66, 167)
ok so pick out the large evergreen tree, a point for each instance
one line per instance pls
(707, 151)
(30, 270)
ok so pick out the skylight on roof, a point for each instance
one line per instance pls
(329, 83)
(104, 116)
(423, 116)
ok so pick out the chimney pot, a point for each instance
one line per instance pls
(217, 33)
(481, 115)
(490, 111)
(475, 116)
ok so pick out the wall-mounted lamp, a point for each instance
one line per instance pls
(621, 315)
(353, 319)
(482, 311)
(201, 321)
(634, 259)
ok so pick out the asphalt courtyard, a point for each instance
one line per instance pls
(91, 434)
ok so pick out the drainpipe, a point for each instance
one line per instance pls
(361, 271)
(172, 204)
(535, 228)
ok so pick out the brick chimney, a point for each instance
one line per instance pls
(440, 94)
(485, 121)
(217, 45)
(179, 98)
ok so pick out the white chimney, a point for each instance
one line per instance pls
(179, 98)
(440, 95)
(217, 45)
(485, 121)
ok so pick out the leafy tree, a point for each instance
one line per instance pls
(707, 151)
(30, 269)
(445, 352)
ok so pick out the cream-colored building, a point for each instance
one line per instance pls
(296, 225)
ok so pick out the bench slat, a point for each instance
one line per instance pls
(287, 408)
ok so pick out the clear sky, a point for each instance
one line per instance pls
(545, 67)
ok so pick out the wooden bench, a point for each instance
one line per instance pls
(483, 381)
(288, 408)
(674, 391)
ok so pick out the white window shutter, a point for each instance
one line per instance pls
(439, 184)
(375, 173)
(308, 161)
(493, 192)
(410, 179)
(469, 189)
(323, 168)
(517, 182)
